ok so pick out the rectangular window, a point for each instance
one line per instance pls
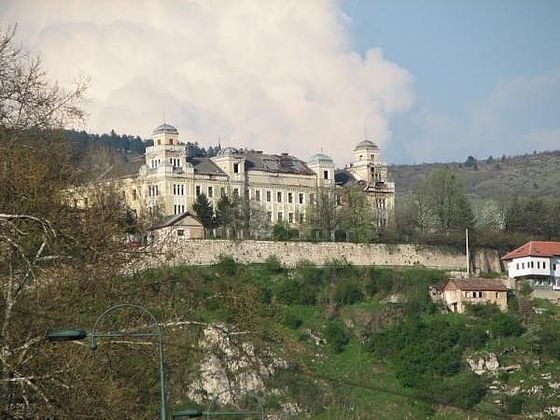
(312, 198)
(544, 265)
(180, 232)
(326, 174)
(134, 194)
(222, 192)
(554, 267)
(236, 192)
(291, 217)
(538, 264)
(523, 266)
(268, 196)
(300, 198)
(258, 195)
(210, 192)
(236, 168)
(280, 216)
(301, 218)
(290, 197)
(269, 215)
(198, 190)
(279, 196)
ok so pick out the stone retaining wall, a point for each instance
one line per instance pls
(206, 252)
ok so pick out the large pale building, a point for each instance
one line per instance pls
(284, 186)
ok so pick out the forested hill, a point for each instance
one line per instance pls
(529, 175)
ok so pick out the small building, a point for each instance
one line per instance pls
(537, 262)
(178, 227)
(457, 293)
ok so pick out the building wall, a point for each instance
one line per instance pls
(457, 299)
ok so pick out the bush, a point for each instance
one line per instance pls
(280, 232)
(291, 321)
(504, 325)
(294, 292)
(337, 335)
(273, 265)
(514, 404)
(227, 266)
(347, 293)
(464, 390)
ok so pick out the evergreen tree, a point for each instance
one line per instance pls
(204, 211)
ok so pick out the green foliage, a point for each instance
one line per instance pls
(347, 293)
(281, 232)
(464, 390)
(357, 217)
(273, 265)
(227, 266)
(296, 292)
(514, 404)
(204, 211)
(505, 325)
(550, 340)
(337, 335)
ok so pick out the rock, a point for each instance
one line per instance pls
(483, 363)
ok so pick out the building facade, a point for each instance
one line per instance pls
(537, 262)
(282, 185)
(457, 293)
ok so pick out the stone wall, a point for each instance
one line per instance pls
(206, 252)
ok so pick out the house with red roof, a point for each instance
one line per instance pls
(537, 262)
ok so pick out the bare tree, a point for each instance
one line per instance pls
(27, 98)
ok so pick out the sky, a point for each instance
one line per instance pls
(431, 80)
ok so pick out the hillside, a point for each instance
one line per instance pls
(536, 174)
(318, 342)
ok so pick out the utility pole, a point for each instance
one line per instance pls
(467, 248)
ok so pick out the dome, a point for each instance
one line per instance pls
(320, 158)
(165, 128)
(227, 151)
(366, 144)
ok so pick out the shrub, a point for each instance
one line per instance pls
(514, 404)
(291, 321)
(227, 265)
(337, 335)
(280, 232)
(464, 390)
(504, 325)
(347, 293)
(294, 292)
(273, 265)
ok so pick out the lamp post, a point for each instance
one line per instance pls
(258, 412)
(77, 334)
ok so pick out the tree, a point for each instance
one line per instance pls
(205, 212)
(49, 250)
(357, 217)
(443, 196)
(321, 217)
(27, 98)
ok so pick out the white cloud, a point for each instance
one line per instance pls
(273, 75)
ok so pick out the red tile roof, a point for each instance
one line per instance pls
(535, 249)
(478, 284)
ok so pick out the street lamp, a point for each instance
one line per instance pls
(196, 412)
(77, 334)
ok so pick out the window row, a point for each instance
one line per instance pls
(153, 190)
(178, 208)
(289, 197)
(531, 264)
(280, 217)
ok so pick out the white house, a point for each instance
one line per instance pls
(538, 262)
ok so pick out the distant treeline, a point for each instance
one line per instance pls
(128, 144)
